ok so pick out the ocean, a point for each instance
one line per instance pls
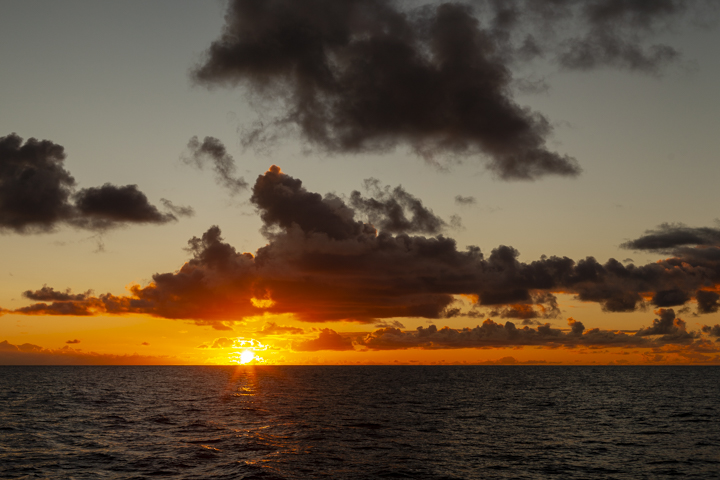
(359, 422)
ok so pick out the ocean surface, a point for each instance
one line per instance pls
(344, 422)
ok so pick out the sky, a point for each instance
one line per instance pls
(373, 182)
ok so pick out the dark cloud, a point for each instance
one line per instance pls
(37, 193)
(460, 200)
(670, 298)
(672, 329)
(34, 187)
(395, 210)
(322, 264)
(271, 328)
(491, 334)
(539, 306)
(212, 150)
(669, 236)
(327, 340)
(713, 331)
(73, 341)
(707, 301)
(102, 207)
(357, 76)
(46, 294)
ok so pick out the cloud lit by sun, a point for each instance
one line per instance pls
(244, 351)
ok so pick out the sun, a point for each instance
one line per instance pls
(247, 356)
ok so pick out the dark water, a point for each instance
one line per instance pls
(359, 422)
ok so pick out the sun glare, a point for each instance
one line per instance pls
(247, 356)
(244, 352)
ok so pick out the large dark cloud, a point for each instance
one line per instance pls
(37, 193)
(358, 76)
(323, 264)
(368, 75)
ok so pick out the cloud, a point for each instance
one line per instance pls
(707, 301)
(321, 264)
(615, 32)
(669, 236)
(271, 328)
(469, 200)
(547, 308)
(37, 193)
(672, 329)
(357, 76)
(73, 341)
(49, 294)
(388, 210)
(713, 331)
(212, 150)
(327, 340)
(491, 334)
(223, 342)
(102, 207)
(34, 187)
(393, 323)
(29, 354)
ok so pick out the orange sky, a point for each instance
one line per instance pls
(509, 204)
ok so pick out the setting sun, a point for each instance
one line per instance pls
(247, 356)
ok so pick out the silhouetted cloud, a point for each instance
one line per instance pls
(34, 187)
(707, 301)
(386, 210)
(355, 76)
(73, 341)
(491, 334)
(713, 331)
(327, 340)
(669, 236)
(46, 294)
(212, 150)
(672, 329)
(322, 264)
(37, 193)
(102, 207)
